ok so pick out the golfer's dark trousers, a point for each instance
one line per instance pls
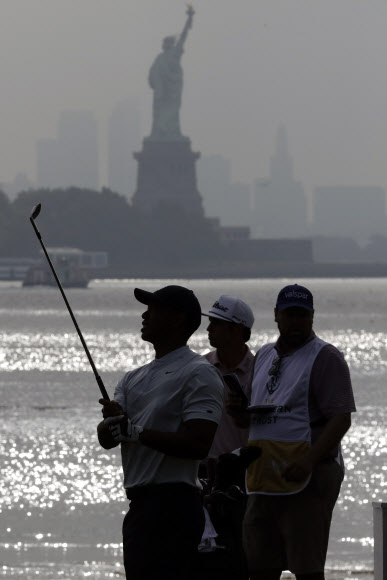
(161, 532)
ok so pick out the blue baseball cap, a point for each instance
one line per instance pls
(295, 295)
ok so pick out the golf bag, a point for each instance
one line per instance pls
(226, 504)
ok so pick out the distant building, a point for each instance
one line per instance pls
(15, 268)
(356, 212)
(280, 205)
(20, 183)
(231, 202)
(49, 171)
(283, 250)
(123, 140)
(72, 158)
(228, 234)
(214, 176)
(336, 249)
(87, 259)
(238, 205)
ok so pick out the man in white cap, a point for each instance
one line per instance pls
(229, 330)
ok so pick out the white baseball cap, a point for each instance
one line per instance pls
(232, 309)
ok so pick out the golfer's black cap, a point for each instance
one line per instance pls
(176, 298)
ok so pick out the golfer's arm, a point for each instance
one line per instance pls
(330, 437)
(192, 441)
(104, 437)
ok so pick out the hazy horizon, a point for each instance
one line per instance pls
(317, 67)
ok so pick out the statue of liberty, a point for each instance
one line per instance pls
(166, 80)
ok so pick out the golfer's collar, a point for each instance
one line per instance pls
(245, 362)
(242, 366)
(171, 356)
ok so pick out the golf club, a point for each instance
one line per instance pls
(34, 215)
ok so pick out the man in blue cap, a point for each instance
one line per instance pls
(302, 394)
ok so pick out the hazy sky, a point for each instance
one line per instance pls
(318, 66)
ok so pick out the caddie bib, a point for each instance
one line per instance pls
(283, 434)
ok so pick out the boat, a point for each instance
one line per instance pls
(70, 276)
(66, 263)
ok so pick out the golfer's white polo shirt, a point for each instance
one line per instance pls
(163, 395)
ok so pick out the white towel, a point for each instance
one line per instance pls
(207, 543)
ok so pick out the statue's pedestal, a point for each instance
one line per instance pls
(167, 175)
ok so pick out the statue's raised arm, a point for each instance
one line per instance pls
(187, 26)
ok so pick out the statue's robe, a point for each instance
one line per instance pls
(166, 80)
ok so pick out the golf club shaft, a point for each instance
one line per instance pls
(97, 377)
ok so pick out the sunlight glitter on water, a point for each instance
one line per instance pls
(44, 470)
(93, 570)
(362, 541)
(63, 313)
(112, 351)
(64, 352)
(365, 351)
(61, 496)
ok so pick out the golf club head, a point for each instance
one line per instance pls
(36, 211)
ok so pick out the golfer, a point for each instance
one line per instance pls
(164, 416)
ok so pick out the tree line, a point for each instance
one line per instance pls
(105, 220)
(168, 237)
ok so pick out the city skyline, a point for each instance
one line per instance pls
(269, 62)
(71, 158)
(261, 206)
(271, 207)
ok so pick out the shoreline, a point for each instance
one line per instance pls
(226, 270)
(254, 270)
(101, 571)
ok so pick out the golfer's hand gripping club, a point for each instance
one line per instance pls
(122, 429)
